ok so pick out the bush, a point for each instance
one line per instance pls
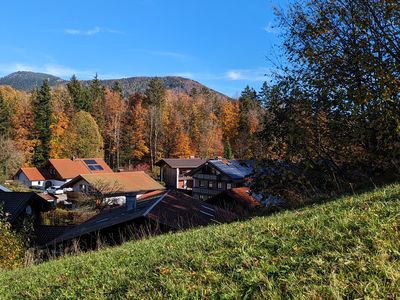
(12, 248)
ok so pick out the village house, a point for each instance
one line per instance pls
(56, 172)
(168, 211)
(112, 188)
(173, 172)
(31, 177)
(218, 175)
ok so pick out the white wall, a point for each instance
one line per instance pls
(25, 181)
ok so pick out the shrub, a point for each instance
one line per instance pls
(12, 248)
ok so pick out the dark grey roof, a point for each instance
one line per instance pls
(105, 219)
(182, 163)
(235, 169)
(14, 203)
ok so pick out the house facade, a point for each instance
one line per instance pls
(174, 172)
(216, 176)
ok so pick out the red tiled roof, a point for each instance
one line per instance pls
(178, 210)
(124, 182)
(70, 168)
(151, 195)
(242, 195)
(33, 174)
(236, 200)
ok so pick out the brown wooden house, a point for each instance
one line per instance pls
(174, 172)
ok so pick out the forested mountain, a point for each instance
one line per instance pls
(26, 81)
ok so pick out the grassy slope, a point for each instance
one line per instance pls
(345, 248)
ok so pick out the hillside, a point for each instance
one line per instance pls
(139, 85)
(347, 248)
(26, 81)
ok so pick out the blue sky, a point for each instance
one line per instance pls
(222, 44)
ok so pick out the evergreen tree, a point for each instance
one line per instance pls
(96, 96)
(247, 101)
(117, 88)
(228, 154)
(263, 94)
(79, 94)
(155, 93)
(42, 112)
(155, 101)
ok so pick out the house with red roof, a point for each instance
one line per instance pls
(31, 177)
(56, 172)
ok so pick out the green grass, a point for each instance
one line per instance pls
(347, 248)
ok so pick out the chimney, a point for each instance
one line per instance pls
(131, 202)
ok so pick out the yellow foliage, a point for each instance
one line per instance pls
(12, 248)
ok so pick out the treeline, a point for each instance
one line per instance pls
(90, 120)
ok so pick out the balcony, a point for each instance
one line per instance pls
(206, 177)
(206, 191)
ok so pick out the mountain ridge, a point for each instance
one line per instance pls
(26, 81)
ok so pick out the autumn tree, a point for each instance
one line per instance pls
(22, 122)
(10, 157)
(83, 138)
(182, 147)
(230, 121)
(344, 59)
(114, 112)
(134, 147)
(5, 116)
(59, 125)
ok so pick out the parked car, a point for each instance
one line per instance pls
(55, 190)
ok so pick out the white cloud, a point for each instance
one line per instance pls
(52, 69)
(234, 75)
(161, 53)
(259, 74)
(89, 32)
(271, 29)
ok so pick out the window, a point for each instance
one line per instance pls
(229, 186)
(219, 185)
(210, 184)
(202, 183)
(201, 197)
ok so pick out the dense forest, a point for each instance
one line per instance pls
(91, 120)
